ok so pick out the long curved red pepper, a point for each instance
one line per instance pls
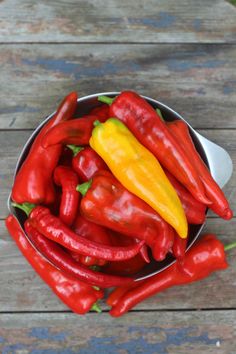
(75, 294)
(86, 162)
(77, 132)
(220, 204)
(194, 210)
(61, 259)
(93, 232)
(54, 229)
(33, 182)
(143, 121)
(205, 257)
(108, 203)
(66, 178)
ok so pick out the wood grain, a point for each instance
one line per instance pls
(117, 21)
(22, 290)
(198, 81)
(207, 332)
(12, 143)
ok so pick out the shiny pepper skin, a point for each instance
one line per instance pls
(106, 202)
(75, 294)
(33, 182)
(138, 170)
(206, 256)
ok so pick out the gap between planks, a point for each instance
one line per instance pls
(117, 43)
(133, 311)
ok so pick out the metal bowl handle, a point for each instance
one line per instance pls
(220, 162)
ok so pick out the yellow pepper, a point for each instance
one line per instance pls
(139, 171)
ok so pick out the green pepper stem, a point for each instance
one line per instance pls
(230, 246)
(75, 149)
(96, 308)
(95, 267)
(26, 207)
(106, 99)
(84, 187)
(160, 114)
(96, 288)
(96, 123)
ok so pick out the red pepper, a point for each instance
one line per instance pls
(108, 203)
(194, 210)
(101, 112)
(33, 182)
(86, 162)
(77, 295)
(115, 296)
(61, 259)
(205, 257)
(143, 121)
(179, 247)
(219, 205)
(66, 178)
(54, 229)
(77, 131)
(128, 267)
(93, 232)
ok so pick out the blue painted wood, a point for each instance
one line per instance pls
(149, 333)
(198, 81)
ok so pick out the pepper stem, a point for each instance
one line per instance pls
(230, 246)
(96, 308)
(96, 288)
(96, 123)
(26, 207)
(106, 99)
(84, 187)
(95, 267)
(75, 149)
(160, 114)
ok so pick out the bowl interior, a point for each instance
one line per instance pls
(85, 104)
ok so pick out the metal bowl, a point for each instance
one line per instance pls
(215, 157)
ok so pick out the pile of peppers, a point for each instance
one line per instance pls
(104, 194)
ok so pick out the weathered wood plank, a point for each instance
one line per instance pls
(13, 141)
(197, 81)
(166, 332)
(117, 21)
(22, 290)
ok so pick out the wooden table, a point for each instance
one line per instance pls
(179, 52)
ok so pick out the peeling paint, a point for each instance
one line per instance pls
(54, 351)
(12, 349)
(197, 24)
(172, 337)
(180, 65)
(227, 90)
(44, 333)
(18, 109)
(163, 20)
(79, 70)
